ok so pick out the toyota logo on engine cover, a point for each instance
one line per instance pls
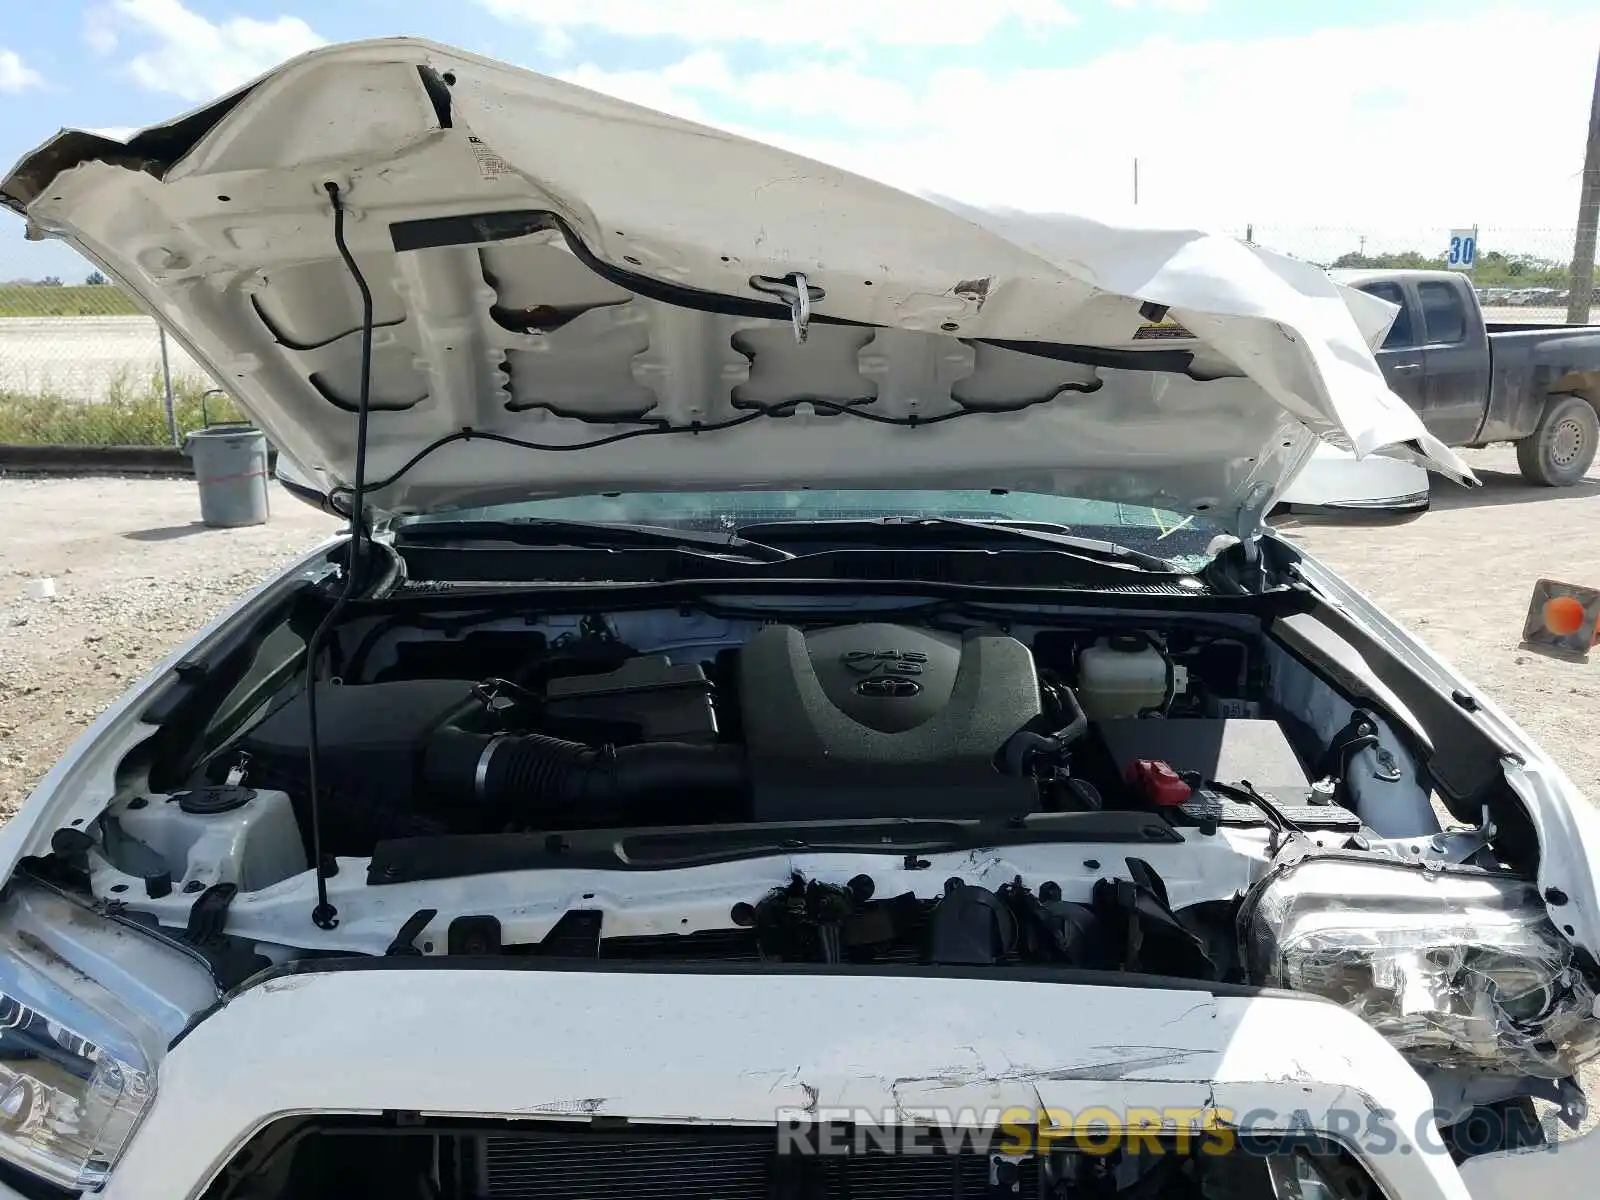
(888, 687)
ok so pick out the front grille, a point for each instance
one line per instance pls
(737, 1165)
(662, 1167)
(595, 1158)
(907, 1177)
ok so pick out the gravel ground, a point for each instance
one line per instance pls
(135, 573)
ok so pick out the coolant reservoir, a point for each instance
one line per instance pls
(1120, 677)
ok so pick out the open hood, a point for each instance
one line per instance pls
(572, 294)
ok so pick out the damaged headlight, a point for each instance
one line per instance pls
(76, 1072)
(1453, 968)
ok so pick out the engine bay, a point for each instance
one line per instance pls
(945, 787)
(841, 722)
(951, 791)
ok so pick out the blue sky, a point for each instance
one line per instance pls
(1316, 119)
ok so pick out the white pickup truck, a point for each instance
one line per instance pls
(806, 706)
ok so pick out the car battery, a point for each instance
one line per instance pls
(1206, 807)
(1229, 750)
(1184, 801)
(1167, 763)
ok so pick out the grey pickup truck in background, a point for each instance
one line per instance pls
(1535, 385)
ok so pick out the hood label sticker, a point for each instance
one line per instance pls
(490, 164)
(1165, 329)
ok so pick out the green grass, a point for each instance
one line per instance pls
(37, 300)
(132, 414)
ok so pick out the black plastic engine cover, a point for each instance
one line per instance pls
(884, 721)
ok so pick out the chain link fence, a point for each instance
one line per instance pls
(80, 366)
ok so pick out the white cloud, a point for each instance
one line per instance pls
(830, 91)
(556, 42)
(102, 38)
(833, 23)
(16, 75)
(1184, 7)
(1375, 128)
(196, 58)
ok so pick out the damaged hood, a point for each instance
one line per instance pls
(571, 294)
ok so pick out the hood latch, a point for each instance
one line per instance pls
(794, 291)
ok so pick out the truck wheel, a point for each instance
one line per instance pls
(1561, 449)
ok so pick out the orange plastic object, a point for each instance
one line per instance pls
(1563, 615)
(1563, 619)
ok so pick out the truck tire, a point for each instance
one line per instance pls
(1561, 449)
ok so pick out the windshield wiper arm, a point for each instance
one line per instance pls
(1096, 548)
(901, 528)
(541, 531)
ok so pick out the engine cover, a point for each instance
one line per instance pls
(865, 721)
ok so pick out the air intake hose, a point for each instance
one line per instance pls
(546, 781)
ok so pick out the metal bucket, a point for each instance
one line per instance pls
(230, 465)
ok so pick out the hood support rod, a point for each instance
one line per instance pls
(325, 915)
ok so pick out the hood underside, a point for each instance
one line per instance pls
(571, 294)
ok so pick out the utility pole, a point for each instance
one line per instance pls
(1583, 245)
(1136, 181)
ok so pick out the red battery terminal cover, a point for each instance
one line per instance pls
(1157, 782)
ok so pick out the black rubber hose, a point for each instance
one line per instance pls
(1077, 721)
(547, 782)
(1021, 749)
